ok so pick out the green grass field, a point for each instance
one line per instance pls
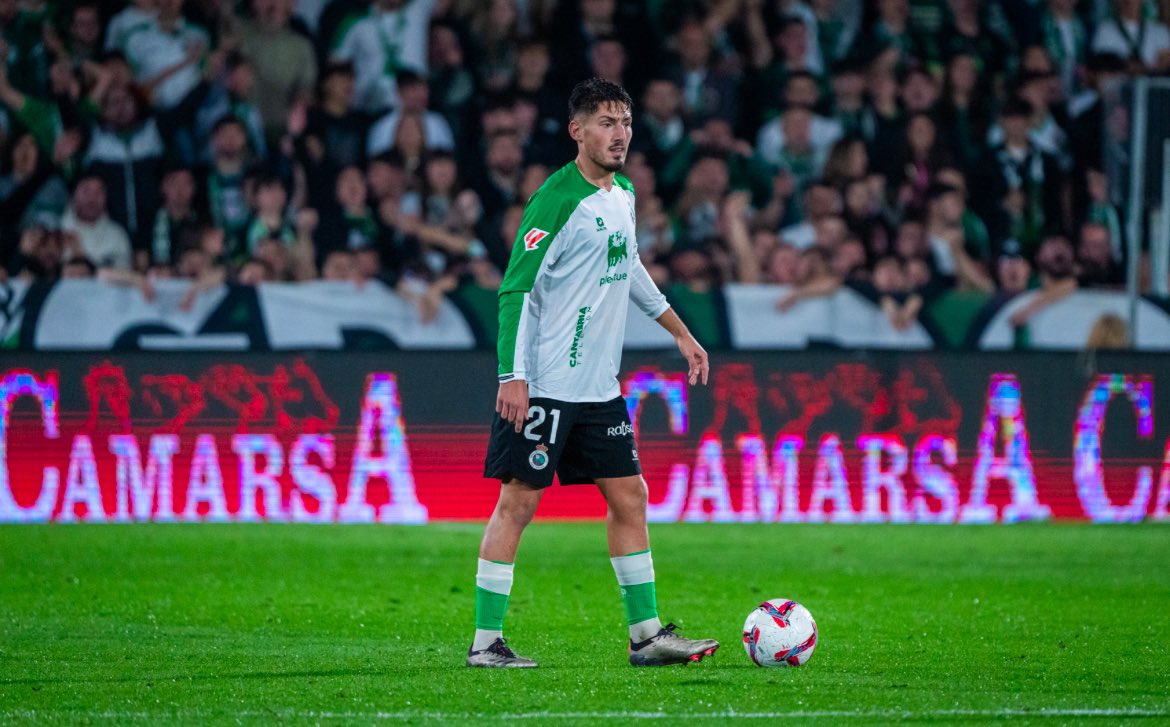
(262, 624)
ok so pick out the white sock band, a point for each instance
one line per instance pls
(632, 570)
(494, 577)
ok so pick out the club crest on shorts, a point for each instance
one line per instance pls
(538, 460)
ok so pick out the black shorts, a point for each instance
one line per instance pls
(580, 442)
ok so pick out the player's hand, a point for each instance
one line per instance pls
(696, 356)
(512, 400)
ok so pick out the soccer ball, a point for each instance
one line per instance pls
(780, 633)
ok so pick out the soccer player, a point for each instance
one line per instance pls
(574, 269)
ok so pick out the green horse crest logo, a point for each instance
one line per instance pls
(617, 249)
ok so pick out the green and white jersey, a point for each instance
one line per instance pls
(563, 302)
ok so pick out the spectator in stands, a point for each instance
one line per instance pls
(1100, 210)
(919, 92)
(887, 31)
(849, 260)
(1013, 271)
(413, 97)
(963, 113)
(783, 265)
(29, 187)
(1098, 268)
(895, 295)
(495, 26)
(1086, 110)
(815, 279)
(223, 183)
(452, 85)
(166, 53)
(100, 239)
(820, 200)
(126, 150)
(865, 217)
(133, 17)
(340, 265)
(798, 153)
(847, 160)
(945, 234)
(255, 271)
(79, 268)
(1066, 39)
(228, 95)
(1056, 265)
(284, 63)
(923, 154)
(1023, 188)
(659, 128)
(350, 224)
(177, 223)
(1109, 333)
(268, 220)
(329, 135)
(980, 28)
(41, 251)
(800, 92)
(655, 229)
(499, 185)
(84, 35)
(1143, 42)
(697, 211)
(707, 89)
(849, 107)
(775, 55)
(391, 38)
(607, 59)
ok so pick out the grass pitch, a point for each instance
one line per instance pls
(263, 624)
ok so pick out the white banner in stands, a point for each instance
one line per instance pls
(318, 313)
(845, 318)
(86, 314)
(1065, 325)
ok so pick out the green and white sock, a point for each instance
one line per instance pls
(493, 583)
(635, 575)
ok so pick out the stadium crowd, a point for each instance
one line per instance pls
(901, 147)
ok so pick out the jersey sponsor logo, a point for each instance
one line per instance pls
(621, 430)
(617, 249)
(538, 460)
(607, 279)
(533, 238)
(583, 316)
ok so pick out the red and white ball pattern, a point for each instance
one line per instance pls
(780, 633)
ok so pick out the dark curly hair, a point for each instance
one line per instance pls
(589, 95)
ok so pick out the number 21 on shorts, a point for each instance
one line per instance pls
(537, 416)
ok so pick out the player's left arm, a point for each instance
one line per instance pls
(653, 303)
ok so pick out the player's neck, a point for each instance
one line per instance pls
(593, 173)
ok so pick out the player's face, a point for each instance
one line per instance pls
(605, 135)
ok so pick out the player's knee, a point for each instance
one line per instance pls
(629, 501)
(518, 505)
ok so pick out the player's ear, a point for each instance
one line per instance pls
(575, 129)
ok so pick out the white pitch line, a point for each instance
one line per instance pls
(611, 715)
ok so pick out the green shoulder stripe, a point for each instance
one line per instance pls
(545, 214)
(544, 217)
(624, 182)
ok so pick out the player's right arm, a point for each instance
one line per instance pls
(544, 218)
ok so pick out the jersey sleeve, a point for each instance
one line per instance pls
(643, 292)
(544, 218)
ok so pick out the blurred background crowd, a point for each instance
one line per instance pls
(904, 148)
